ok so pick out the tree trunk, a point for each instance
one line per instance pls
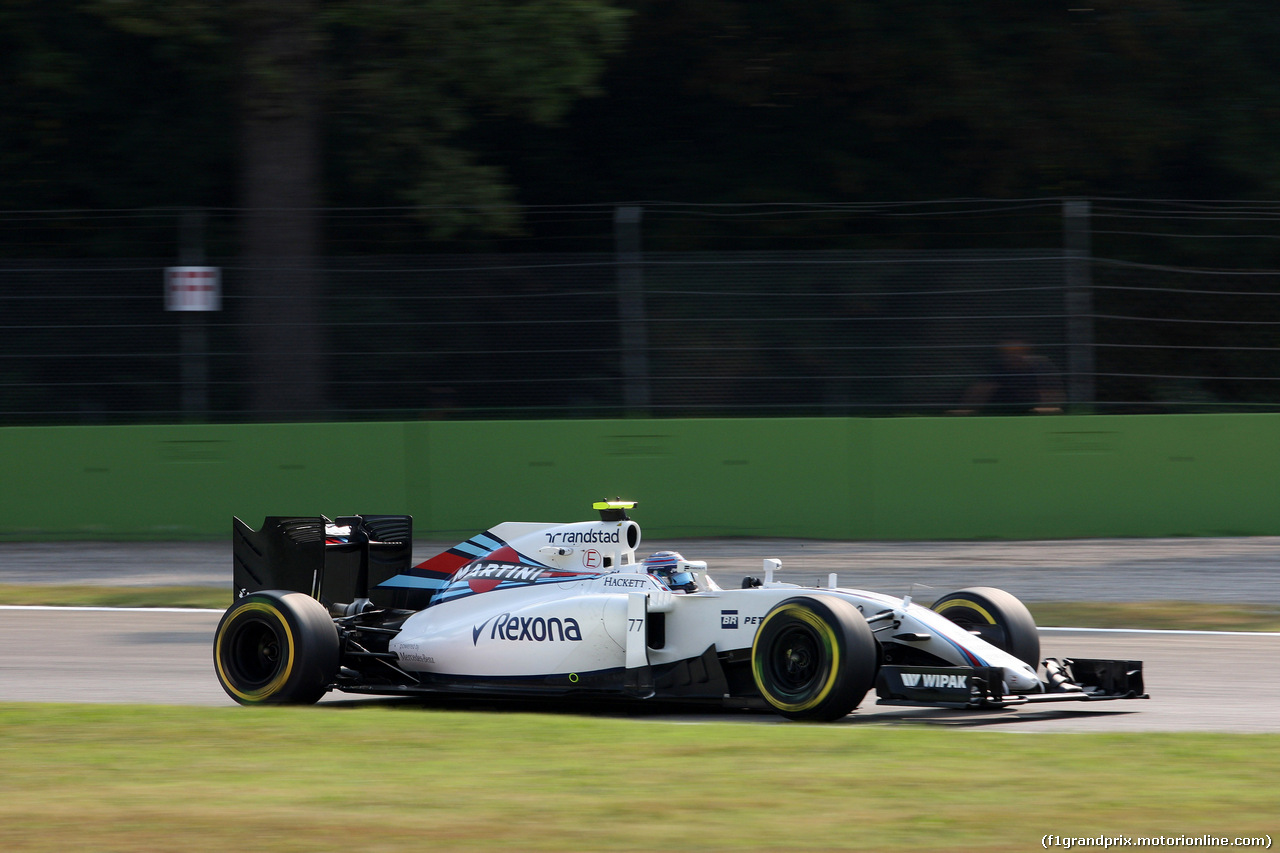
(280, 196)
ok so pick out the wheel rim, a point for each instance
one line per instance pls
(796, 660)
(255, 654)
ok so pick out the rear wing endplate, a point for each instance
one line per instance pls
(338, 561)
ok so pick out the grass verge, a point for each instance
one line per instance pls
(1171, 615)
(394, 778)
(96, 595)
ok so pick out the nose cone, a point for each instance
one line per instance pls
(1021, 680)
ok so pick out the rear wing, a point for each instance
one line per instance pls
(337, 562)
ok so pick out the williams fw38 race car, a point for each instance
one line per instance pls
(563, 610)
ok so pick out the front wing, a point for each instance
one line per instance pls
(1069, 680)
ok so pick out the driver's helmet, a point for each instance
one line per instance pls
(672, 569)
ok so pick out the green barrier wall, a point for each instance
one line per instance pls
(837, 478)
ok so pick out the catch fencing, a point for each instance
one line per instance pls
(1124, 307)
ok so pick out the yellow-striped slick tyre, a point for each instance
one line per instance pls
(814, 658)
(276, 647)
(995, 616)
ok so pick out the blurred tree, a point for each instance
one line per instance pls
(831, 100)
(388, 87)
(92, 117)
(416, 76)
(713, 100)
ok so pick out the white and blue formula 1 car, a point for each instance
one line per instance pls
(571, 610)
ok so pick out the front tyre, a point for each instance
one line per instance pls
(276, 647)
(814, 658)
(995, 616)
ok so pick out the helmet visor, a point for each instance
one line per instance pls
(680, 579)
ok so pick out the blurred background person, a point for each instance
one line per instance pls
(1021, 382)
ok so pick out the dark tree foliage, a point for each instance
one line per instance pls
(473, 105)
(832, 100)
(95, 117)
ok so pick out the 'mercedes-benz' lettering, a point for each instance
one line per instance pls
(583, 537)
(529, 629)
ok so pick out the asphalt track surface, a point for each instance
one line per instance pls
(1198, 681)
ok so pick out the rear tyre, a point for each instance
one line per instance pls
(995, 616)
(276, 648)
(814, 658)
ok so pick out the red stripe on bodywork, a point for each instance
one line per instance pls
(444, 564)
(505, 554)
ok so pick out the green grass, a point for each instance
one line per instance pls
(92, 595)
(1145, 614)
(1177, 615)
(118, 778)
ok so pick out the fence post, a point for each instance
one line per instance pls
(1079, 304)
(195, 334)
(631, 312)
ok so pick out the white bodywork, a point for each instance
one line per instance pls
(565, 599)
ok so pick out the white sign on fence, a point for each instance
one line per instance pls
(193, 289)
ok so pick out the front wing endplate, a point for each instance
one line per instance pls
(1077, 680)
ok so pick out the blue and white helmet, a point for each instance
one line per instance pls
(672, 569)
